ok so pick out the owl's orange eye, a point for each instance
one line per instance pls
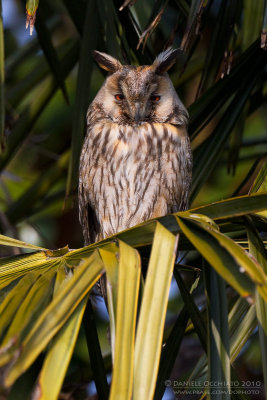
(119, 97)
(155, 98)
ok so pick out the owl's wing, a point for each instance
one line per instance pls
(179, 116)
(88, 220)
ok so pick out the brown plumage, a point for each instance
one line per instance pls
(136, 158)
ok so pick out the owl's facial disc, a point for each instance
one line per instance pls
(134, 95)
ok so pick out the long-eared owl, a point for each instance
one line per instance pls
(136, 159)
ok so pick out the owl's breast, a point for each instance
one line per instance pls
(133, 173)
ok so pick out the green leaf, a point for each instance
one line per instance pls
(252, 21)
(58, 357)
(256, 248)
(192, 21)
(129, 33)
(17, 92)
(14, 298)
(123, 277)
(264, 29)
(153, 21)
(126, 310)
(238, 310)
(31, 8)
(88, 43)
(152, 313)
(226, 257)
(235, 142)
(59, 354)
(260, 182)
(226, 15)
(55, 315)
(243, 332)
(109, 255)
(32, 111)
(254, 178)
(50, 53)
(233, 207)
(192, 309)
(30, 307)
(170, 351)
(108, 15)
(96, 359)
(12, 268)
(218, 337)
(77, 11)
(207, 155)
(214, 99)
(24, 205)
(23, 53)
(8, 241)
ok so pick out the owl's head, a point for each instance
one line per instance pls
(132, 95)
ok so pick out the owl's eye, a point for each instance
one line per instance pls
(119, 97)
(155, 97)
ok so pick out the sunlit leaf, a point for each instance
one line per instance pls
(128, 289)
(152, 314)
(55, 315)
(228, 259)
(232, 207)
(59, 354)
(14, 298)
(31, 306)
(12, 268)
(7, 241)
(110, 257)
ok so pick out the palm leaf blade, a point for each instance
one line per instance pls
(154, 303)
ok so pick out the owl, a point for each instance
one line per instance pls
(136, 158)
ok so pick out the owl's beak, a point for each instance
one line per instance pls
(137, 112)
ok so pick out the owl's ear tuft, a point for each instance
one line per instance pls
(165, 60)
(107, 62)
